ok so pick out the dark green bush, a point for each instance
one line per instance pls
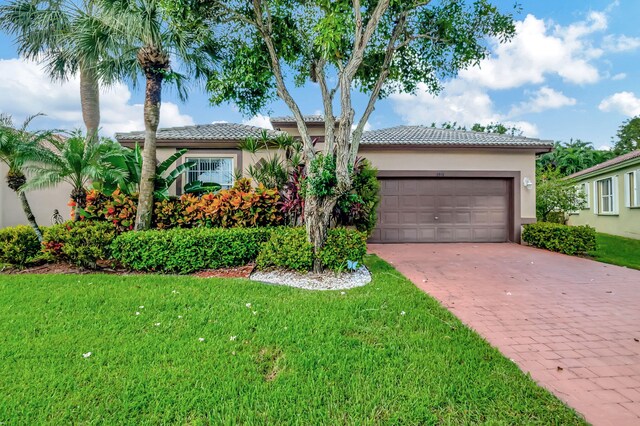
(561, 238)
(18, 245)
(342, 245)
(288, 248)
(82, 243)
(188, 250)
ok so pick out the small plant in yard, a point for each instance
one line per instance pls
(561, 238)
(18, 245)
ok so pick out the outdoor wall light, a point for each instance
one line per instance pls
(526, 182)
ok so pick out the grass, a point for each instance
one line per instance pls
(291, 357)
(617, 250)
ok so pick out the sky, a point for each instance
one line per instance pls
(571, 72)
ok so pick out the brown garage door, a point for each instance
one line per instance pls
(442, 210)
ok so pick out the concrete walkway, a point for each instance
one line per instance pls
(573, 323)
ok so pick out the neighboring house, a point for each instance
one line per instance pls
(436, 185)
(612, 191)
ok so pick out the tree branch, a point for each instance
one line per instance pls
(327, 101)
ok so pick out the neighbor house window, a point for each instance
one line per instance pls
(212, 170)
(606, 196)
(583, 193)
(632, 189)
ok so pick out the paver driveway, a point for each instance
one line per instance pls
(573, 323)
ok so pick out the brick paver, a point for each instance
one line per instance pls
(572, 323)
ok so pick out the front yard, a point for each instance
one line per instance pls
(617, 250)
(166, 349)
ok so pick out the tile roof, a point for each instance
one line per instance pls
(614, 161)
(314, 118)
(423, 135)
(215, 131)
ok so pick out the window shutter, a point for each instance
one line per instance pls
(627, 189)
(587, 194)
(636, 176)
(616, 202)
(595, 197)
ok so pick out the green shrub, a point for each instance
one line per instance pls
(188, 250)
(18, 245)
(342, 245)
(287, 248)
(561, 238)
(81, 243)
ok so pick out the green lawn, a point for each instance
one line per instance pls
(617, 250)
(291, 357)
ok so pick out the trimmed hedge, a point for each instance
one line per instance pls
(184, 251)
(18, 245)
(82, 243)
(288, 248)
(561, 238)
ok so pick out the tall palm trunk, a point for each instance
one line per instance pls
(15, 179)
(90, 101)
(154, 62)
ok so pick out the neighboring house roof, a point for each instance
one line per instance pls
(215, 131)
(431, 136)
(314, 118)
(608, 164)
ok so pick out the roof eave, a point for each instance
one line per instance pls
(611, 168)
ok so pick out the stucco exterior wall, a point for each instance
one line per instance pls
(42, 202)
(625, 223)
(463, 160)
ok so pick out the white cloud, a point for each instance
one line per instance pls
(623, 102)
(539, 49)
(543, 99)
(259, 120)
(26, 90)
(619, 76)
(620, 43)
(460, 102)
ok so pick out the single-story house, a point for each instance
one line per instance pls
(612, 191)
(437, 185)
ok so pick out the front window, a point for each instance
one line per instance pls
(212, 170)
(605, 195)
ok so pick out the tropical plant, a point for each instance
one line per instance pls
(76, 160)
(130, 163)
(146, 39)
(68, 38)
(18, 146)
(556, 197)
(377, 47)
(359, 206)
(572, 157)
(273, 158)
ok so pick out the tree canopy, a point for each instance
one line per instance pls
(628, 136)
(572, 157)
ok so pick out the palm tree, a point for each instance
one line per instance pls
(142, 31)
(68, 38)
(17, 147)
(76, 160)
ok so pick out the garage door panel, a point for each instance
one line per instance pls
(467, 210)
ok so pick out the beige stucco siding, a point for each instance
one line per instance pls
(626, 222)
(42, 202)
(463, 160)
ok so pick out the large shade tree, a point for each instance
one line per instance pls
(373, 46)
(628, 136)
(145, 41)
(68, 37)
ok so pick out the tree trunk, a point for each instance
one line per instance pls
(317, 215)
(147, 178)
(30, 217)
(79, 197)
(90, 101)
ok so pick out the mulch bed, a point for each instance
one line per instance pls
(67, 268)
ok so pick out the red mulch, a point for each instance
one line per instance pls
(66, 268)
(239, 272)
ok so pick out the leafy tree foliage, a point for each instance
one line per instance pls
(628, 136)
(556, 197)
(377, 47)
(572, 157)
